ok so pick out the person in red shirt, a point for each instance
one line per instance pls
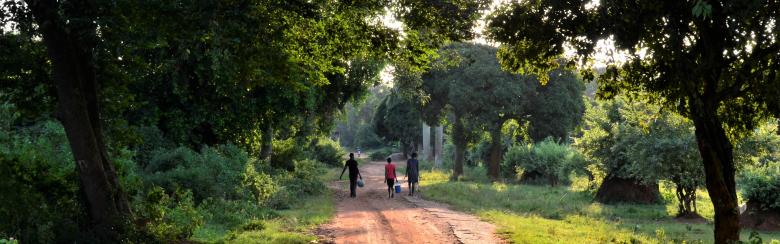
(390, 178)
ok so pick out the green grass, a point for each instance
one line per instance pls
(543, 214)
(291, 226)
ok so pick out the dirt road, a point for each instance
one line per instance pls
(372, 217)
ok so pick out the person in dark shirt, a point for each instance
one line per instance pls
(412, 173)
(354, 173)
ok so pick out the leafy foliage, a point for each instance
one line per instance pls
(468, 82)
(634, 140)
(398, 119)
(40, 187)
(761, 148)
(171, 217)
(759, 159)
(355, 129)
(328, 151)
(761, 185)
(713, 61)
(544, 162)
(285, 152)
(214, 172)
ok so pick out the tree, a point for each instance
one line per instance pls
(69, 33)
(208, 72)
(469, 78)
(355, 129)
(477, 90)
(713, 61)
(556, 108)
(663, 147)
(398, 119)
(637, 143)
(610, 129)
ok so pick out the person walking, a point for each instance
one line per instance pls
(412, 173)
(390, 178)
(354, 173)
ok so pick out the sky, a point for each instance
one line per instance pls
(605, 53)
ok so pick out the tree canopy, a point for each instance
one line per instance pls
(204, 72)
(468, 82)
(713, 61)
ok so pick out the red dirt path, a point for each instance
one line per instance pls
(374, 218)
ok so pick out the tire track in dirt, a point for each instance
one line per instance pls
(372, 217)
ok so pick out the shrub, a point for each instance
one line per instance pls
(761, 185)
(303, 181)
(285, 152)
(168, 218)
(151, 139)
(9, 241)
(544, 161)
(39, 185)
(259, 184)
(233, 213)
(220, 172)
(328, 151)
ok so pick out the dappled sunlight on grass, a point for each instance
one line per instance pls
(545, 214)
(571, 229)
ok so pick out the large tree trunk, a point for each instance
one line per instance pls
(494, 162)
(716, 152)
(458, 135)
(71, 50)
(266, 142)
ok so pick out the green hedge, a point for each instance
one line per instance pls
(761, 185)
(553, 162)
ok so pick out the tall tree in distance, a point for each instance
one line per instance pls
(716, 62)
(469, 80)
(398, 119)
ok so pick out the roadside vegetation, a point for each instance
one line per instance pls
(554, 214)
(176, 121)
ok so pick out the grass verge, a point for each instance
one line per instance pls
(293, 225)
(544, 214)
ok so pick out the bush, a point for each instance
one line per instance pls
(39, 188)
(259, 184)
(303, 181)
(168, 218)
(761, 185)
(219, 172)
(233, 213)
(328, 151)
(285, 152)
(152, 139)
(544, 161)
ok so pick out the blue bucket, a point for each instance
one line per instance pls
(397, 188)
